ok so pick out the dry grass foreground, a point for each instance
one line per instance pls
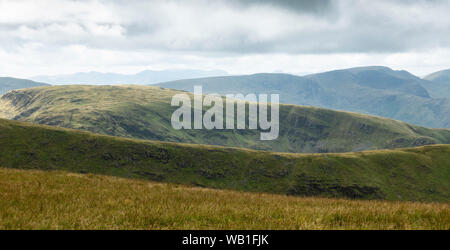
(59, 200)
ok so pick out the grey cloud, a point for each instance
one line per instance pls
(366, 29)
(334, 27)
(302, 6)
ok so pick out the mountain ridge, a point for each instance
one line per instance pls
(371, 90)
(144, 112)
(413, 174)
(438, 83)
(11, 83)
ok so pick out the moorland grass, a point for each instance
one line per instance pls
(31, 199)
(409, 174)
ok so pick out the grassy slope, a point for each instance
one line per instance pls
(144, 113)
(61, 200)
(421, 173)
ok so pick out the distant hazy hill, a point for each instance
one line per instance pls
(438, 84)
(374, 90)
(418, 174)
(9, 83)
(144, 77)
(144, 112)
(441, 76)
(374, 78)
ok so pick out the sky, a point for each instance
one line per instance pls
(49, 37)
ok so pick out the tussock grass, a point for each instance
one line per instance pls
(31, 199)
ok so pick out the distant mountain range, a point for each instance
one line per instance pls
(9, 83)
(144, 77)
(374, 90)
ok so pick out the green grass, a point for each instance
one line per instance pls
(61, 200)
(144, 113)
(413, 174)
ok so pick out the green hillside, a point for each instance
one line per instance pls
(9, 83)
(144, 112)
(414, 174)
(373, 90)
(62, 200)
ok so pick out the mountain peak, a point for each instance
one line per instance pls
(364, 68)
(442, 75)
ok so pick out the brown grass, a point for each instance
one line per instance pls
(61, 200)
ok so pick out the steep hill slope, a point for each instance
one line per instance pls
(404, 174)
(438, 84)
(145, 112)
(62, 200)
(373, 90)
(9, 83)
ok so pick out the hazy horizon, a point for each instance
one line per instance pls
(213, 73)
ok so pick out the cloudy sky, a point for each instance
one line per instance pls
(293, 36)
